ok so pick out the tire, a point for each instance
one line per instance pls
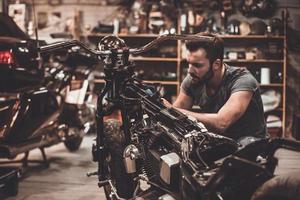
(73, 143)
(122, 181)
(282, 187)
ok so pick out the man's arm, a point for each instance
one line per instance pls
(183, 101)
(232, 110)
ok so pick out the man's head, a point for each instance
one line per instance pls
(205, 58)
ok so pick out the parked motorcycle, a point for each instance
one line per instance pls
(42, 98)
(156, 152)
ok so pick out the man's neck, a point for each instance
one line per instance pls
(213, 85)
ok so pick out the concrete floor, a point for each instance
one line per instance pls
(66, 178)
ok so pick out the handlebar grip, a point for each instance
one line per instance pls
(57, 46)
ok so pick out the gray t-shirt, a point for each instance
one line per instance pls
(252, 123)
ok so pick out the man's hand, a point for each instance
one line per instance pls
(167, 103)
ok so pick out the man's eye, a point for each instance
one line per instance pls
(197, 65)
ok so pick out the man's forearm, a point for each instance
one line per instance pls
(211, 120)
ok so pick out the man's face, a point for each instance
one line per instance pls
(199, 66)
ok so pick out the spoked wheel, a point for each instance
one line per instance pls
(122, 181)
(282, 187)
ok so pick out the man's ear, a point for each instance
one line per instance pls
(217, 64)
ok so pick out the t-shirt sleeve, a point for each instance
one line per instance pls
(245, 82)
(186, 86)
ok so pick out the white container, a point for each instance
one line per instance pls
(265, 75)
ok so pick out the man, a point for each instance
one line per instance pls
(229, 97)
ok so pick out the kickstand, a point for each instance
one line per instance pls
(25, 161)
(46, 162)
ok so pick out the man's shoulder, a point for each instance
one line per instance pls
(239, 79)
(233, 73)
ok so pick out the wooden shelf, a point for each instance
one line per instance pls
(272, 85)
(149, 35)
(144, 35)
(153, 59)
(252, 37)
(146, 81)
(253, 61)
(99, 81)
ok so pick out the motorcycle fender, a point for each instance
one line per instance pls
(70, 115)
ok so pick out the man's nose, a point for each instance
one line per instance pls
(191, 69)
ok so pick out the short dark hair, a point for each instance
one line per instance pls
(214, 50)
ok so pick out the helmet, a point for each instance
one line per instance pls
(276, 26)
(209, 25)
(258, 27)
(233, 27)
(258, 8)
(111, 42)
(244, 28)
(156, 19)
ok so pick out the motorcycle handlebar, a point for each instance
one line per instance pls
(162, 38)
(65, 45)
(134, 51)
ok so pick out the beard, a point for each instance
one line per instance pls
(204, 79)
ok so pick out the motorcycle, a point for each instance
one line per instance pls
(156, 152)
(42, 99)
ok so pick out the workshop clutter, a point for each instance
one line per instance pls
(224, 17)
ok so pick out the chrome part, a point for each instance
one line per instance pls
(169, 167)
(166, 197)
(130, 154)
(187, 145)
(219, 196)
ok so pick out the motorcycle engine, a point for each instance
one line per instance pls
(158, 151)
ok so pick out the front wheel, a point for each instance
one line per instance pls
(122, 181)
(282, 187)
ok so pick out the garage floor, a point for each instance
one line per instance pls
(66, 178)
